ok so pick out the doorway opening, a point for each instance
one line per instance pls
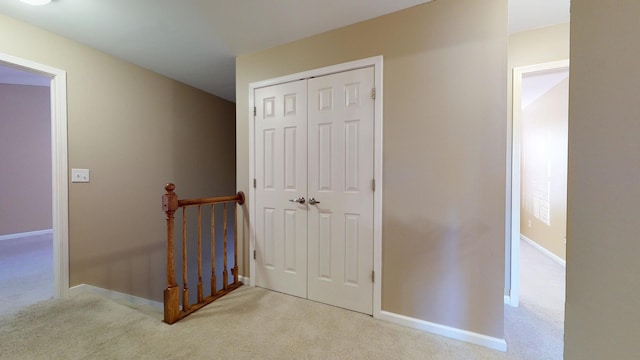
(58, 160)
(26, 240)
(532, 202)
(539, 203)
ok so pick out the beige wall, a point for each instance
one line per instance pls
(444, 151)
(547, 44)
(603, 245)
(544, 169)
(135, 130)
(25, 158)
(537, 46)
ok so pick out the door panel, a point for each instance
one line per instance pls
(340, 143)
(281, 174)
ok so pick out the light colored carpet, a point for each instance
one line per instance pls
(539, 321)
(26, 271)
(251, 323)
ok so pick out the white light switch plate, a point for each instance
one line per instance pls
(80, 175)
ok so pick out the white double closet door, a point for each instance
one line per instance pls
(314, 195)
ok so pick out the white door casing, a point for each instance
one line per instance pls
(341, 134)
(281, 143)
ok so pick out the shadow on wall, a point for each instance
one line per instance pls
(203, 157)
(136, 264)
(441, 260)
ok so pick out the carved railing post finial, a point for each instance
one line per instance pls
(170, 200)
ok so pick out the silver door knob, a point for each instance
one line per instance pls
(299, 200)
(313, 201)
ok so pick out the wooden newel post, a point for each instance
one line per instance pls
(235, 237)
(172, 292)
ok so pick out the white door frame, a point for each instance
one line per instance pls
(513, 298)
(59, 178)
(376, 62)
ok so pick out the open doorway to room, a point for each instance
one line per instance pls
(539, 200)
(26, 237)
(34, 258)
(543, 173)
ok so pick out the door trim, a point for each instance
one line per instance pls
(513, 298)
(59, 179)
(376, 63)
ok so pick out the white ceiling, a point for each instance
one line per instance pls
(196, 41)
(531, 14)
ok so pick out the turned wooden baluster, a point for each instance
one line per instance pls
(200, 294)
(225, 274)
(172, 292)
(213, 251)
(235, 243)
(185, 290)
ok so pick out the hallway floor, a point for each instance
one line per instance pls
(26, 271)
(540, 317)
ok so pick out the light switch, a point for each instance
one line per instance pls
(80, 175)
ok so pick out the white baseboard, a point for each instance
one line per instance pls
(114, 295)
(243, 279)
(450, 332)
(548, 253)
(509, 300)
(25, 234)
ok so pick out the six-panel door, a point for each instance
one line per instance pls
(281, 175)
(340, 144)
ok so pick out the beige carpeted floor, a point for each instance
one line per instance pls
(252, 323)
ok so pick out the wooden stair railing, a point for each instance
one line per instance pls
(171, 203)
